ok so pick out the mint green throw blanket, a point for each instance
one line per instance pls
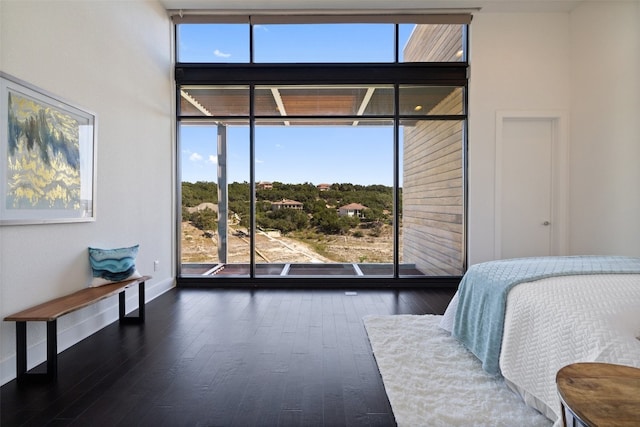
(483, 293)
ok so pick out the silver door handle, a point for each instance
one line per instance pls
(546, 223)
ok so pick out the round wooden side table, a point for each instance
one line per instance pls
(599, 394)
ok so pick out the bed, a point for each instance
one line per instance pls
(526, 318)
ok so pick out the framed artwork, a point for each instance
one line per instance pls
(47, 157)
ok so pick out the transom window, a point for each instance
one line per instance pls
(268, 39)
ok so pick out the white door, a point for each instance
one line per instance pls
(525, 174)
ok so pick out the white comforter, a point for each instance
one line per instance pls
(554, 322)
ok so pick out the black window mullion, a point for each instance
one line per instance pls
(397, 43)
(252, 182)
(434, 117)
(250, 42)
(396, 181)
(433, 74)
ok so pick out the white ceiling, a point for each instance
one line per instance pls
(373, 5)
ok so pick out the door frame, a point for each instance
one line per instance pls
(559, 175)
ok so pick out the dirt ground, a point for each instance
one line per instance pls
(197, 247)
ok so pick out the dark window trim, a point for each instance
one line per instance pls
(327, 282)
(433, 74)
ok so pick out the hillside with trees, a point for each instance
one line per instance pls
(319, 213)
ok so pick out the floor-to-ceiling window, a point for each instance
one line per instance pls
(321, 147)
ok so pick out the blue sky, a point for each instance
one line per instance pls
(359, 155)
(290, 43)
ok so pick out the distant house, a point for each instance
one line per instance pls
(352, 209)
(286, 204)
(264, 185)
(323, 187)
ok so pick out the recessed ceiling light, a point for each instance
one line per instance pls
(417, 108)
(459, 53)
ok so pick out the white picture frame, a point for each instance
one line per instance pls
(47, 157)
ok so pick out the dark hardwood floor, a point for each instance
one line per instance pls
(220, 357)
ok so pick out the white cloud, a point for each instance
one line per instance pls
(213, 159)
(220, 54)
(279, 146)
(259, 161)
(195, 157)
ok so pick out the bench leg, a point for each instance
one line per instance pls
(141, 301)
(124, 319)
(52, 349)
(21, 352)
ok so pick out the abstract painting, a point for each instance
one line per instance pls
(47, 159)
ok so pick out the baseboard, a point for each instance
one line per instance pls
(74, 327)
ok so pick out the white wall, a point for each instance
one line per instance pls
(585, 63)
(605, 118)
(113, 58)
(519, 62)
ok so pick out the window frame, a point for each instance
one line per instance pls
(395, 74)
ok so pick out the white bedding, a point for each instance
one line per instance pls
(553, 322)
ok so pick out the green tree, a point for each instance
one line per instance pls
(285, 220)
(199, 192)
(205, 219)
(326, 221)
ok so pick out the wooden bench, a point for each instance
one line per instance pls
(51, 310)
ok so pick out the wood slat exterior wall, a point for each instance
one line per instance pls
(433, 199)
(432, 194)
(437, 43)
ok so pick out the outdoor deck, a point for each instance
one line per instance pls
(299, 269)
